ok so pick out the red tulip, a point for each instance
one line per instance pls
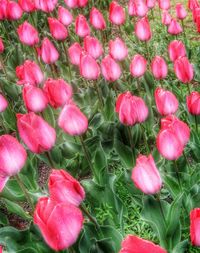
(143, 29)
(46, 5)
(59, 223)
(174, 27)
(27, 5)
(176, 49)
(97, 20)
(3, 103)
(166, 102)
(93, 47)
(195, 227)
(110, 69)
(131, 109)
(193, 103)
(34, 98)
(198, 23)
(72, 120)
(64, 16)
(71, 3)
(181, 13)
(28, 35)
(150, 3)
(35, 132)
(29, 73)
(196, 14)
(132, 8)
(141, 8)
(74, 52)
(138, 66)
(48, 52)
(146, 176)
(57, 29)
(166, 18)
(164, 4)
(183, 69)
(89, 68)
(14, 11)
(64, 188)
(116, 13)
(58, 92)
(118, 49)
(82, 28)
(134, 244)
(159, 68)
(12, 158)
(193, 4)
(3, 9)
(82, 3)
(1, 46)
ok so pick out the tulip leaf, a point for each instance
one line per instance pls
(48, 115)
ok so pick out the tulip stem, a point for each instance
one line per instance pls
(49, 159)
(188, 86)
(67, 60)
(99, 94)
(92, 219)
(182, 22)
(145, 138)
(177, 174)
(3, 67)
(161, 209)
(186, 159)
(130, 137)
(23, 188)
(196, 123)
(147, 51)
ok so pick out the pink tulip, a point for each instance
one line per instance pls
(89, 68)
(166, 102)
(71, 3)
(141, 8)
(181, 13)
(35, 132)
(132, 8)
(150, 3)
(46, 5)
(28, 35)
(82, 28)
(183, 70)
(110, 69)
(27, 5)
(174, 27)
(196, 14)
(57, 29)
(74, 52)
(166, 18)
(93, 47)
(14, 11)
(143, 29)
(118, 49)
(193, 4)
(1, 46)
(72, 120)
(138, 66)
(176, 49)
(59, 223)
(64, 188)
(164, 4)
(58, 92)
(3, 9)
(82, 3)
(195, 227)
(48, 52)
(117, 14)
(3, 103)
(159, 68)
(12, 158)
(34, 98)
(64, 16)
(97, 20)
(193, 103)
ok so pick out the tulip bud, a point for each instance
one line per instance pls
(166, 102)
(141, 8)
(82, 3)
(48, 52)
(82, 28)
(93, 47)
(34, 98)
(193, 103)
(35, 132)
(29, 73)
(118, 49)
(64, 188)
(193, 4)
(27, 5)
(138, 66)
(1, 46)
(181, 13)
(132, 8)
(110, 69)
(176, 49)
(12, 158)
(174, 27)
(74, 52)
(166, 18)
(97, 20)
(14, 11)
(71, 3)
(59, 223)
(146, 176)
(46, 5)
(28, 35)
(159, 68)
(64, 16)
(3, 9)
(3, 103)
(164, 4)
(195, 227)
(116, 13)
(89, 68)
(150, 3)
(196, 14)
(183, 69)
(57, 29)
(58, 92)
(143, 29)
(72, 120)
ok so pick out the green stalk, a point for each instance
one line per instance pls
(91, 218)
(99, 94)
(161, 209)
(177, 174)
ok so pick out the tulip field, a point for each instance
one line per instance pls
(99, 126)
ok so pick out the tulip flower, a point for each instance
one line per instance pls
(166, 102)
(57, 29)
(146, 176)
(183, 70)
(72, 120)
(58, 92)
(28, 35)
(193, 4)
(12, 158)
(71, 3)
(74, 52)
(48, 52)
(93, 47)
(143, 29)
(64, 16)
(174, 27)
(131, 109)
(35, 132)
(196, 14)
(30, 73)
(195, 227)
(164, 4)
(46, 5)
(176, 49)
(82, 28)
(3, 9)
(132, 8)
(150, 3)
(193, 103)
(118, 49)
(89, 68)
(166, 18)
(34, 98)
(141, 8)
(82, 3)
(117, 14)
(1, 46)
(27, 5)
(14, 11)
(64, 188)
(159, 68)
(3, 103)
(181, 13)
(110, 69)
(134, 244)
(97, 20)
(59, 223)
(138, 66)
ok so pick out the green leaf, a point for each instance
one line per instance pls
(181, 247)
(48, 115)
(125, 153)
